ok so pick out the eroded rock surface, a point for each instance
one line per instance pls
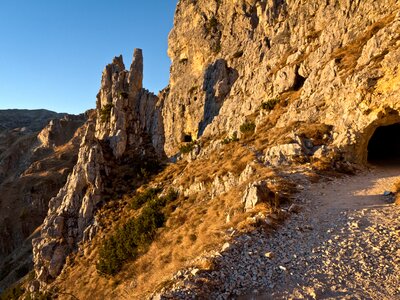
(128, 128)
(331, 62)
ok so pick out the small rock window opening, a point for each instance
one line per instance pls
(187, 138)
(384, 145)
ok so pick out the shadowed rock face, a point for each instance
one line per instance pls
(35, 161)
(33, 120)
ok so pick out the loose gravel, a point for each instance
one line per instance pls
(343, 244)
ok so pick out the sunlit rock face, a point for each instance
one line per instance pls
(127, 125)
(334, 62)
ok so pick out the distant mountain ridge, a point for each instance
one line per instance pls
(33, 120)
(38, 149)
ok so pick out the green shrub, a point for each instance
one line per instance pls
(187, 148)
(231, 139)
(270, 104)
(105, 113)
(172, 195)
(142, 198)
(135, 235)
(247, 127)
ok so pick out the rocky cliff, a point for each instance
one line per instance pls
(126, 133)
(256, 88)
(34, 162)
(331, 62)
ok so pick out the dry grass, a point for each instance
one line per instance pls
(196, 226)
(347, 56)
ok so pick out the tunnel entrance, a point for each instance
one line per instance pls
(384, 145)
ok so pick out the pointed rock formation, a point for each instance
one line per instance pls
(128, 126)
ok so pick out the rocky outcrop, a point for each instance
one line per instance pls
(126, 110)
(328, 62)
(59, 131)
(127, 128)
(256, 193)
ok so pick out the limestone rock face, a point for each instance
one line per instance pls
(125, 109)
(128, 126)
(71, 211)
(256, 193)
(331, 62)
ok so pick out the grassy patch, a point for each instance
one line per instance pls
(187, 148)
(231, 139)
(146, 196)
(247, 127)
(270, 104)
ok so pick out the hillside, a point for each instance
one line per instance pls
(178, 196)
(38, 149)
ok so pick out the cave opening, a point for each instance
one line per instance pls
(384, 145)
(298, 81)
(187, 138)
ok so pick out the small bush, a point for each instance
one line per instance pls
(136, 235)
(105, 113)
(231, 139)
(140, 199)
(270, 104)
(247, 127)
(187, 148)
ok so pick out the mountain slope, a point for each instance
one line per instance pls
(264, 96)
(33, 166)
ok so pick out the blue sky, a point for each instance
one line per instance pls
(52, 52)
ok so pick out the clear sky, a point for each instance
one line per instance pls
(52, 52)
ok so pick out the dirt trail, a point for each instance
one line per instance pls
(343, 244)
(353, 244)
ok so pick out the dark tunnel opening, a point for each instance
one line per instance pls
(384, 145)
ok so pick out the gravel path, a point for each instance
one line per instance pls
(344, 244)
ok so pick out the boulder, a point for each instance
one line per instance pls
(255, 193)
